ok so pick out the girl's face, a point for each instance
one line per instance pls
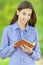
(24, 15)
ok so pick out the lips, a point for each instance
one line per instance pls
(24, 20)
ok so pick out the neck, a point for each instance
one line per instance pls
(21, 25)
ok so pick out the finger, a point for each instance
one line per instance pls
(26, 46)
(15, 46)
(23, 47)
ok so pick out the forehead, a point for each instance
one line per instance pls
(27, 10)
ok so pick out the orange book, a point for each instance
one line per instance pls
(23, 41)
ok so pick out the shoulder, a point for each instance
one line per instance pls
(8, 28)
(32, 29)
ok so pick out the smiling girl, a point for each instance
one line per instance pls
(22, 26)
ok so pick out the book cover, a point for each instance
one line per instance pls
(23, 41)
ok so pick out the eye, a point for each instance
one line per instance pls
(24, 13)
(29, 14)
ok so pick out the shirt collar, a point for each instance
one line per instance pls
(16, 26)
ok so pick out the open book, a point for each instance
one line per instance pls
(23, 41)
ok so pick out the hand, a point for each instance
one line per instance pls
(27, 49)
(14, 45)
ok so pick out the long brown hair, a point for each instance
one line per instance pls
(24, 5)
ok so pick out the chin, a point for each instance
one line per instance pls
(24, 22)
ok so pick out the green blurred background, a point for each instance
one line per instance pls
(7, 10)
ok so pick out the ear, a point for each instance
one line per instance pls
(17, 12)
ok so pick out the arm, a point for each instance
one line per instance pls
(33, 53)
(36, 50)
(6, 49)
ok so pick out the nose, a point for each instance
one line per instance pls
(26, 17)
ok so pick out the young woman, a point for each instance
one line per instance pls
(22, 26)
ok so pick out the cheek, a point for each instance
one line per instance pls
(20, 16)
(29, 17)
